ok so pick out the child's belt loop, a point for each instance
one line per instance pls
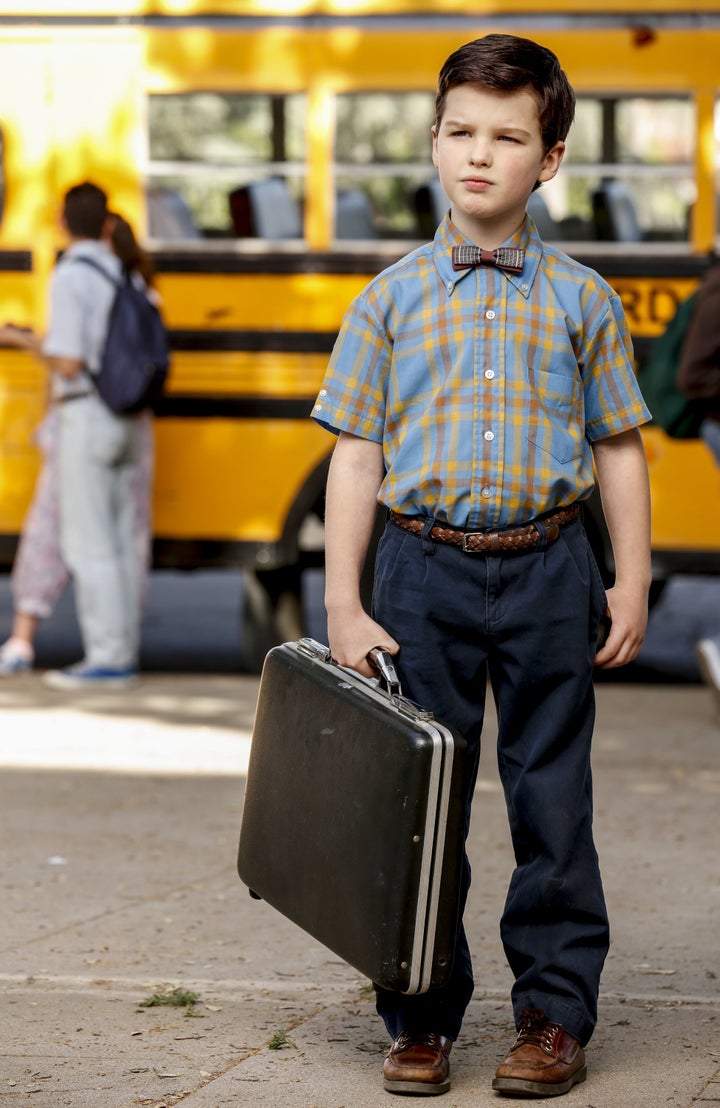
(427, 543)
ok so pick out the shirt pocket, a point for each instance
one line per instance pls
(556, 415)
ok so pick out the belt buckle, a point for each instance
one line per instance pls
(471, 535)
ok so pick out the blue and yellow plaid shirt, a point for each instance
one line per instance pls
(486, 389)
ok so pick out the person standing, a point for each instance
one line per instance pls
(699, 378)
(39, 574)
(97, 453)
(474, 387)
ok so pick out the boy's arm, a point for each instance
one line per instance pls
(356, 473)
(624, 489)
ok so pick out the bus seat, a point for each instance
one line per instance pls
(431, 205)
(353, 215)
(615, 214)
(265, 209)
(547, 227)
(169, 216)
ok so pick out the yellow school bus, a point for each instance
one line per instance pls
(275, 156)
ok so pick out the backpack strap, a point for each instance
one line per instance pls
(117, 286)
(99, 269)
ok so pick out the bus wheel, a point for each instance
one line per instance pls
(271, 613)
(657, 588)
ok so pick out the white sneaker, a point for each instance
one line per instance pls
(707, 653)
(15, 657)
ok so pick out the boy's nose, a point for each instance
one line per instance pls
(480, 153)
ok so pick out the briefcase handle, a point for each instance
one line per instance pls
(382, 661)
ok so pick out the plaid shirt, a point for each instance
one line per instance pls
(486, 389)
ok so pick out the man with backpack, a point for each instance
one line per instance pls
(98, 451)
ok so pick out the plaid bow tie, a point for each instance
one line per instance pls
(505, 257)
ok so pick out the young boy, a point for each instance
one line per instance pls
(472, 400)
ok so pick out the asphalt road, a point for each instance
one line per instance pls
(192, 624)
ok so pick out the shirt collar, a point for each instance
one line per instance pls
(526, 237)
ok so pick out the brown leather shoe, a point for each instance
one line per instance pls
(545, 1060)
(418, 1064)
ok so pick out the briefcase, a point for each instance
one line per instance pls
(353, 820)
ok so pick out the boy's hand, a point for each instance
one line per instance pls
(628, 611)
(352, 637)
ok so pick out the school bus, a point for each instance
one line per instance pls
(275, 156)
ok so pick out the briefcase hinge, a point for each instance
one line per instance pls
(410, 708)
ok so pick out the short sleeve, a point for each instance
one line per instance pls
(353, 395)
(65, 337)
(613, 400)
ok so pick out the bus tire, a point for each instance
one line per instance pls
(271, 613)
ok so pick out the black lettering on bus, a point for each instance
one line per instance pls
(632, 304)
(662, 303)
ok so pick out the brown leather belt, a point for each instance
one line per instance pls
(525, 537)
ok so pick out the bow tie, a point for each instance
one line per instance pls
(505, 257)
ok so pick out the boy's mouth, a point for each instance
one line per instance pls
(476, 184)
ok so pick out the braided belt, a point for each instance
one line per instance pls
(509, 539)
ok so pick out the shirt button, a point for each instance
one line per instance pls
(524, 288)
(485, 491)
(318, 407)
(489, 435)
(489, 373)
(490, 314)
(449, 286)
(323, 392)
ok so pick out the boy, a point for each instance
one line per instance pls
(472, 401)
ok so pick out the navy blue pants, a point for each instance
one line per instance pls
(528, 622)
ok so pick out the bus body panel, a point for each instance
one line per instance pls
(252, 322)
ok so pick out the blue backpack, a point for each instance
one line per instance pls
(136, 356)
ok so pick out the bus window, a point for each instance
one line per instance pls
(225, 165)
(627, 175)
(383, 152)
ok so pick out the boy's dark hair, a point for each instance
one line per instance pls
(509, 63)
(85, 211)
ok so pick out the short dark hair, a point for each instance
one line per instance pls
(85, 210)
(510, 63)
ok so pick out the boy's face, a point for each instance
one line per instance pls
(489, 153)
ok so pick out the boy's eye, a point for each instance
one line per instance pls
(458, 132)
(508, 138)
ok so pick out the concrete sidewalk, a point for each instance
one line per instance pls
(119, 817)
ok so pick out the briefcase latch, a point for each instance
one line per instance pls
(314, 649)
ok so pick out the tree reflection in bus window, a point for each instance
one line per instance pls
(204, 145)
(646, 146)
(383, 152)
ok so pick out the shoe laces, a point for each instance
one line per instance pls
(407, 1039)
(537, 1030)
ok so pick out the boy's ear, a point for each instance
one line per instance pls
(433, 131)
(553, 158)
